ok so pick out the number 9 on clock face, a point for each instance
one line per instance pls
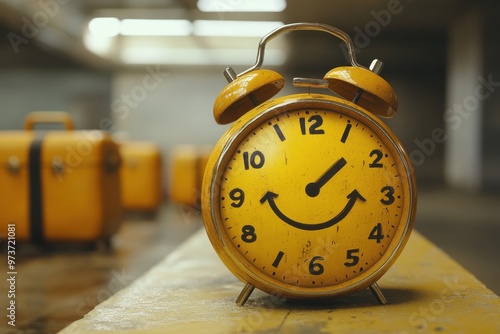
(311, 198)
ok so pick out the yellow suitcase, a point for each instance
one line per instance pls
(141, 176)
(187, 166)
(58, 185)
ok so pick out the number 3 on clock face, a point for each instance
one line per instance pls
(310, 199)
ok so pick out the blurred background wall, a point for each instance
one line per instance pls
(151, 70)
(160, 85)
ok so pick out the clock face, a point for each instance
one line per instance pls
(314, 200)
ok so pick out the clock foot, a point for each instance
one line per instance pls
(244, 294)
(375, 289)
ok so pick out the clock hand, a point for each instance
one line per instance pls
(313, 188)
(352, 198)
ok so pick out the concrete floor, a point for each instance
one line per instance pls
(58, 286)
(467, 227)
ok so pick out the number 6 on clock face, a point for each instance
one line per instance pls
(309, 198)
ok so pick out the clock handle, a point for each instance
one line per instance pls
(375, 289)
(303, 26)
(244, 294)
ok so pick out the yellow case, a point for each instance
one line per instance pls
(187, 166)
(62, 186)
(140, 175)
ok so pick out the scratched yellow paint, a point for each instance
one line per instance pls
(191, 291)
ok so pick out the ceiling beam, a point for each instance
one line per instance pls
(29, 22)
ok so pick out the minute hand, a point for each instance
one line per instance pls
(313, 188)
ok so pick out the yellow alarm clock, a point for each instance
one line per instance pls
(309, 195)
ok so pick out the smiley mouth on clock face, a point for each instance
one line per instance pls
(352, 198)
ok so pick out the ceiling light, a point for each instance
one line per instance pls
(105, 26)
(112, 26)
(141, 27)
(223, 57)
(241, 5)
(100, 45)
(234, 28)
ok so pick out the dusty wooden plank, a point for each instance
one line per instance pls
(191, 291)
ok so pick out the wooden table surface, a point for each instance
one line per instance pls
(191, 291)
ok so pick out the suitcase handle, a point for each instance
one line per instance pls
(36, 117)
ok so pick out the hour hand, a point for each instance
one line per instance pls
(313, 188)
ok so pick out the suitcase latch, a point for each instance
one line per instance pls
(13, 164)
(57, 166)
